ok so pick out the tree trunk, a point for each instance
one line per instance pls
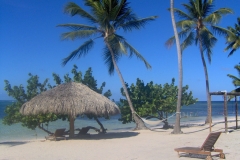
(208, 118)
(103, 130)
(40, 127)
(177, 127)
(139, 122)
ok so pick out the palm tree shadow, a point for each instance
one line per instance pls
(12, 144)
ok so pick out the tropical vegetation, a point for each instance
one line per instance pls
(198, 26)
(106, 18)
(153, 100)
(35, 87)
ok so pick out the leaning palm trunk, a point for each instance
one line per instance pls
(177, 128)
(139, 122)
(208, 118)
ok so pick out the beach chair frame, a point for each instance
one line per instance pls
(206, 149)
(59, 134)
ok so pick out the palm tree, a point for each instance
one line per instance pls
(177, 128)
(107, 17)
(233, 38)
(195, 28)
(235, 81)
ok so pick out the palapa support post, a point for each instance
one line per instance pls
(225, 111)
(236, 111)
(210, 114)
(71, 124)
(225, 94)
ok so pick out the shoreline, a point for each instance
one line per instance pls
(125, 145)
(131, 129)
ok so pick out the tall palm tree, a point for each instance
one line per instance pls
(195, 28)
(177, 128)
(233, 38)
(106, 17)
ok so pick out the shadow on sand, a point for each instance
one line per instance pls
(230, 129)
(13, 143)
(111, 135)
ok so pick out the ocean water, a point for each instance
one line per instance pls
(195, 113)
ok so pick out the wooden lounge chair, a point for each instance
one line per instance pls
(59, 134)
(206, 148)
(83, 132)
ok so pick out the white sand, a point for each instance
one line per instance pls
(130, 145)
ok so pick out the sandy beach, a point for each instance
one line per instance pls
(125, 145)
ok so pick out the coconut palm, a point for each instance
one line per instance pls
(233, 38)
(177, 128)
(195, 27)
(106, 17)
(236, 80)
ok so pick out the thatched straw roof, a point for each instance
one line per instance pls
(71, 99)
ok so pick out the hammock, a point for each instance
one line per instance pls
(152, 123)
(155, 123)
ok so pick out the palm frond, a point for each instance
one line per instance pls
(186, 24)
(188, 41)
(108, 59)
(216, 16)
(233, 38)
(190, 9)
(237, 67)
(232, 35)
(74, 27)
(236, 44)
(208, 41)
(219, 30)
(81, 51)
(98, 9)
(231, 52)
(126, 17)
(137, 24)
(235, 80)
(133, 51)
(182, 14)
(121, 10)
(118, 48)
(73, 9)
(78, 34)
(170, 42)
(232, 77)
(182, 34)
(233, 91)
(116, 43)
(122, 47)
(229, 46)
(207, 7)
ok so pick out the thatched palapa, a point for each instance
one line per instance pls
(71, 99)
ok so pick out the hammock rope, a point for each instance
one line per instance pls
(154, 123)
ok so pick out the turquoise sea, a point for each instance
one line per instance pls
(195, 113)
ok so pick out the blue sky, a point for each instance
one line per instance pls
(31, 43)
